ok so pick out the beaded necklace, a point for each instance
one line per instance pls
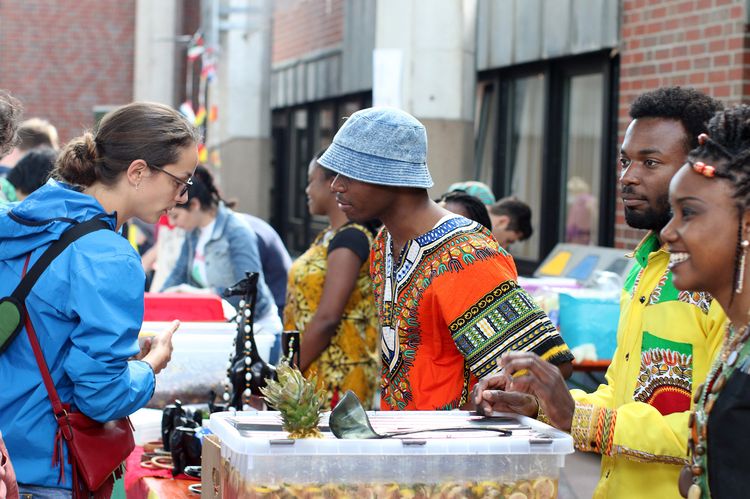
(735, 347)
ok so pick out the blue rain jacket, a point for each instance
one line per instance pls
(87, 309)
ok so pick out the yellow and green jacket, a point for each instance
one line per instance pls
(638, 421)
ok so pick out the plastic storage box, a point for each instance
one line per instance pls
(199, 361)
(257, 460)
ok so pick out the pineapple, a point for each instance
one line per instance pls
(297, 400)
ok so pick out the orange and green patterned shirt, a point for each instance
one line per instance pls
(449, 308)
(638, 420)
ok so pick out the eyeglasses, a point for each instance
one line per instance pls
(185, 183)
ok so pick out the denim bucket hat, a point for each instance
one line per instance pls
(381, 145)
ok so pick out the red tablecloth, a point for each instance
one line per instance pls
(182, 306)
(139, 480)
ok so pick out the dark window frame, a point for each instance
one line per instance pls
(557, 74)
(290, 216)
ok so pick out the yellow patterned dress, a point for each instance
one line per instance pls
(351, 361)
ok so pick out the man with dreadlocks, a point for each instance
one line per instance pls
(666, 338)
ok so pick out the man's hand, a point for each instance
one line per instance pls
(489, 395)
(525, 376)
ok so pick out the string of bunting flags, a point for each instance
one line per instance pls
(203, 112)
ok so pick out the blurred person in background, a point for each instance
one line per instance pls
(330, 301)
(218, 249)
(10, 112)
(511, 221)
(479, 190)
(581, 216)
(33, 133)
(29, 174)
(466, 205)
(273, 256)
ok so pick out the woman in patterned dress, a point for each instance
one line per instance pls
(708, 241)
(335, 311)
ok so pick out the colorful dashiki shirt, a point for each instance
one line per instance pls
(448, 310)
(351, 361)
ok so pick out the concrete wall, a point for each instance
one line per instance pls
(156, 51)
(242, 93)
(436, 42)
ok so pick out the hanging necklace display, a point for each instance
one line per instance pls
(290, 347)
(246, 370)
(736, 348)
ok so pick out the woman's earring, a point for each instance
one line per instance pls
(136, 185)
(741, 267)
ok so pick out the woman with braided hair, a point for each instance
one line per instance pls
(708, 239)
(218, 249)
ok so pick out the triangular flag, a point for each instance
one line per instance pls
(202, 154)
(196, 48)
(200, 116)
(186, 108)
(215, 158)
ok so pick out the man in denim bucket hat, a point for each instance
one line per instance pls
(447, 296)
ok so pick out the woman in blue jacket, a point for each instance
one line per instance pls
(219, 248)
(87, 307)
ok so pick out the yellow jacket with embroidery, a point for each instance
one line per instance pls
(638, 421)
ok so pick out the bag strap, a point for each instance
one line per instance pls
(22, 291)
(69, 236)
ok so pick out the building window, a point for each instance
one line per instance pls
(523, 172)
(298, 133)
(582, 143)
(546, 134)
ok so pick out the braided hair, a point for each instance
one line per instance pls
(727, 146)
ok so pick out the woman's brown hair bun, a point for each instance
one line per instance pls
(76, 163)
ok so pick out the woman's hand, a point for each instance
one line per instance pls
(158, 351)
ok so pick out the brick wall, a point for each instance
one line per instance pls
(62, 58)
(304, 26)
(695, 43)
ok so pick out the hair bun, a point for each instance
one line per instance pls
(88, 149)
(78, 160)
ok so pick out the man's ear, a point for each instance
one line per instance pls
(136, 171)
(501, 222)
